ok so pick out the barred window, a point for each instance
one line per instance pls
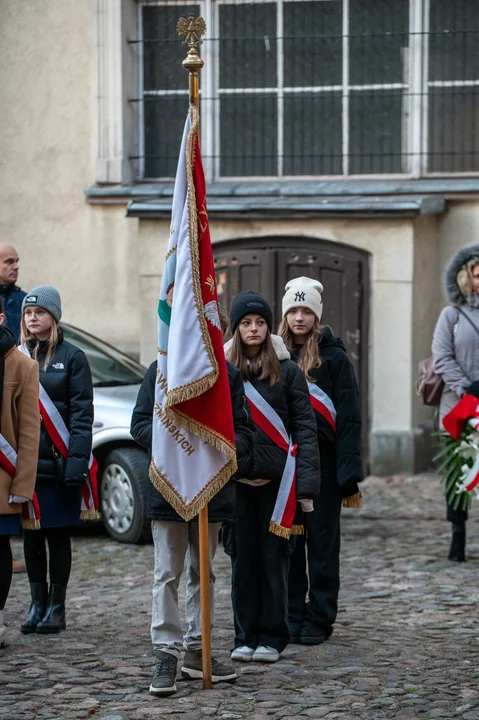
(308, 88)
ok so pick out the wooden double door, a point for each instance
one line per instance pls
(266, 265)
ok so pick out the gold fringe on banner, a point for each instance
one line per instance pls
(31, 524)
(90, 514)
(188, 512)
(205, 433)
(354, 501)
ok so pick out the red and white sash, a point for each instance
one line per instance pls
(60, 437)
(323, 404)
(268, 420)
(30, 509)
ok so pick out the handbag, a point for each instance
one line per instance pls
(429, 385)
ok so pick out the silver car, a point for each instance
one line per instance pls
(123, 465)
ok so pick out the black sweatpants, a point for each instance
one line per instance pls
(260, 562)
(6, 569)
(59, 549)
(319, 549)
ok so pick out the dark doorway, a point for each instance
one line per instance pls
(266, 264)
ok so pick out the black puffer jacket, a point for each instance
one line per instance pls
(220, 509)
(67, 381)
(341, 451)
(290, 398)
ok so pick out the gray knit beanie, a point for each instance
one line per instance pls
(46, 297)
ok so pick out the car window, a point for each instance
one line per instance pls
(109, 366)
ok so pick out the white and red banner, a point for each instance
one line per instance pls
(193, 453)
(30, 509)
(60, 437)
(323, 404)
(268, 420)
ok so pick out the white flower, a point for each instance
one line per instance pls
(468, 449)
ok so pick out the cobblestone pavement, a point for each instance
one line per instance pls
(405, 645)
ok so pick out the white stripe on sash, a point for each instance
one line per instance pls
(8, 451)
(266, 410)
(289, 471)
(323, 398)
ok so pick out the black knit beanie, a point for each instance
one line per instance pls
(249, 302)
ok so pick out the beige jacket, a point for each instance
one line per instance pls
(20, 426)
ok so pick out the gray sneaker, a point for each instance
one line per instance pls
(193, 670)
(164, 675)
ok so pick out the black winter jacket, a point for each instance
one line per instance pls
(341, 451)
(290, 398)
(220, 508)
(67, 381)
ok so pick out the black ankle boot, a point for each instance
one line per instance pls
(38, 607)
(54, 619)
(457, 553)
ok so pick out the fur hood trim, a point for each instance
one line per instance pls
(278, 344)
(453, 293)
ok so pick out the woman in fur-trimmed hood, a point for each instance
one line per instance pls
(455, 350)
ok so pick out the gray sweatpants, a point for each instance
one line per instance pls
(175, 542)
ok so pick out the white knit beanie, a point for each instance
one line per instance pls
(303, 292)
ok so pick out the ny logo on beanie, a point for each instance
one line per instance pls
(303, 292)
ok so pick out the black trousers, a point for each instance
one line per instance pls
(456, 516)
(260, 563)
(59, 548)
(6, 569)
(317, 554)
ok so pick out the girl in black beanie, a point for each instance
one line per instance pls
(261, 545)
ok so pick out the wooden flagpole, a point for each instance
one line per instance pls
(192, 30)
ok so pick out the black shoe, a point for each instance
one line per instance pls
(164, 675)
(192, 668)
(39, 592)
(54, 619)
(313, 635)
(312, 639)
(294, 633)
(457, 553)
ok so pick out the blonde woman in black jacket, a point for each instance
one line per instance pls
(66, 380)
(335, 398)
(280, 406)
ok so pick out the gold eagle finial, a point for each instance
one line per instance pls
(192, 30)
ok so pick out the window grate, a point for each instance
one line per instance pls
(314, 88)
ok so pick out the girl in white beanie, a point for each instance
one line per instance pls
(335, 399)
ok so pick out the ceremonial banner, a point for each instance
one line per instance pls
(193, 453)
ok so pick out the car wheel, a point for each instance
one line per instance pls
(123, 495)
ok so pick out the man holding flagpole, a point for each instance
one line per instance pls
(191, 413)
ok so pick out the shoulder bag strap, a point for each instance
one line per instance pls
(468, 319)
